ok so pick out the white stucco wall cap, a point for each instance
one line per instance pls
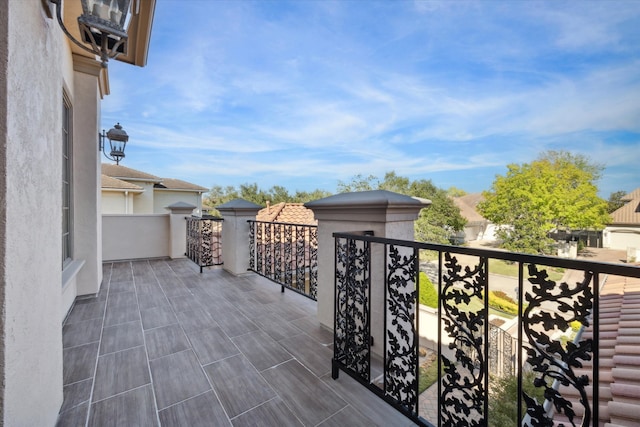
(181, 208)
(239, 207)
(376, 205)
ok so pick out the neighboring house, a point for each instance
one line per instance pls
(50, 94)
(130, 191)
(477, 227)
(624, 230)
(293, 213)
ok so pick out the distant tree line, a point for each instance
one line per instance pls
(436, 224)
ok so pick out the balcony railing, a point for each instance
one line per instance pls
(204, 241)
(376, 296)
(286, 254)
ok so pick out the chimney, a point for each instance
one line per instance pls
(268, 207)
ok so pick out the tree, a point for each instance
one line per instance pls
(436, 223)
(556, 191)
(615, 201)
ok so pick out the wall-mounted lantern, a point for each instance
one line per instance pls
(102, 27)
(117, 142)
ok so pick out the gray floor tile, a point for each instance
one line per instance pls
(120, 371)
(165, 340)
(234, 323)
(184, 303)
(195, 320)
(117, 287)
(76, 393)
(121, 272)
(275, 327)
(348, 417)
(121, 314)
(79, 362)
(200, 411)
(308, 397)
(121, 299)
(80, 312)
(150, 286)
(177, 377)
(121, 337)
(271, 413)
(75, 417)
(262, 350)
(309, 352)
(132, 408)
(365, 401)
(158, 316)
(211, 345)
(311, 326)
(238, 385)
(173, 288)
(151, 299)
(79, 333)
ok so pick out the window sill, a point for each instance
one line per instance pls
(70, 271)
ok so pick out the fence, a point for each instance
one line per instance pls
(204, 241)
(286, 254)
(366, 265)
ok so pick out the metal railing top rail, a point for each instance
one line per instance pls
(551, 261)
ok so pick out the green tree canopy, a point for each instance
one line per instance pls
(436, 223)
(615, 201)
(557, 190)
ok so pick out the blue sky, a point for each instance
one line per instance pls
(305, 93)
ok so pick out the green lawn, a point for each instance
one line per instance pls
(498, 266)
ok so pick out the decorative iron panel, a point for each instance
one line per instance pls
(401, 312)
(286, 254)
(464, 385)
(352, 329)
(552, 307)
(204, 241)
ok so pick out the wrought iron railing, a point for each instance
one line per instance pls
(286, 254)
(376, 295)
(204, 241)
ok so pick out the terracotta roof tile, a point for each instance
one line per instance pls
(294, 213)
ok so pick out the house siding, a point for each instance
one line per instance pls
(30, 327)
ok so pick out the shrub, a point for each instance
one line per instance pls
(503, 409)
(507, 305)
(428, 294)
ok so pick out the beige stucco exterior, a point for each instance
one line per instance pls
(38, 69)
(163, 198)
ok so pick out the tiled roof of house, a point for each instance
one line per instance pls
(177, 184)
(630, 212)
(467, 205)
(294, 213)
(122, 172)
(118, 184)
(619, 350)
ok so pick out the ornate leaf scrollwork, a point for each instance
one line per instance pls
(313, 262)
(463, 389)
(352, 305)
(554, 307)
(401, 381)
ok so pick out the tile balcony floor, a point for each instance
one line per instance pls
(165, 345)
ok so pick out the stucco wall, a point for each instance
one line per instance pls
(163, 198)
(31, 72)
(143, 202)
(135, 236)
(117, 202)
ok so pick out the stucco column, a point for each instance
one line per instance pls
(178, 228)
(235, 234)
(387, 214)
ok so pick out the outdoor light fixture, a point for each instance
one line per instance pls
(117, 141)
(102, 26)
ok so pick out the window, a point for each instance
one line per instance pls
(67, 190)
